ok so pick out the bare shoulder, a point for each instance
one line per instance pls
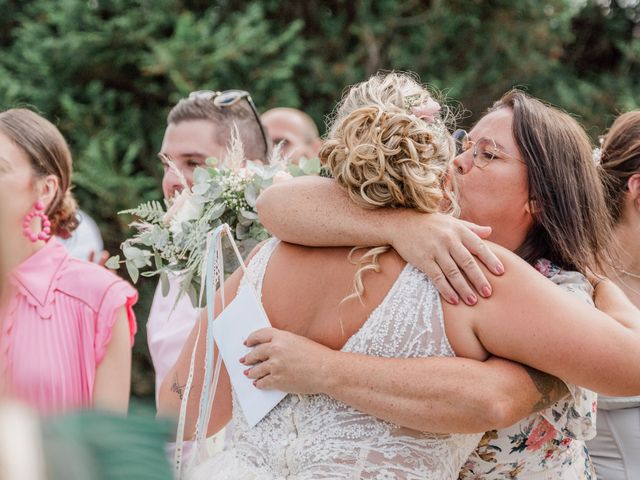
(326, 274)
(506, 255)
(463, 323)
(306, 289)
(522, 294)
(516, 269)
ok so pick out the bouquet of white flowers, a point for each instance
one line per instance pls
(174, 241)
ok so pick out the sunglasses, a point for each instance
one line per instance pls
(229, 98)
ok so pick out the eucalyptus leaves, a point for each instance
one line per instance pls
(174, 241)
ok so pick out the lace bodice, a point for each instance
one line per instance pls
(317, 437)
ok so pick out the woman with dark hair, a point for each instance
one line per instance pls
(526, 171)
(68, 325)
(615, 450)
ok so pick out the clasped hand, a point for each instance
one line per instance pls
(285, 361)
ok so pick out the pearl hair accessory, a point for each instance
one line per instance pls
(38, 211)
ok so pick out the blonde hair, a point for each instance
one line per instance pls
(386, 157)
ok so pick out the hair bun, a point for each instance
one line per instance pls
(65, 219)
(381, 153)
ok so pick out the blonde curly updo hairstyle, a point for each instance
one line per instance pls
(385, 156)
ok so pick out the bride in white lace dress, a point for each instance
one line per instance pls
(315, 436)
(392, 148)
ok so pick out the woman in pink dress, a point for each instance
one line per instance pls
(67, 326)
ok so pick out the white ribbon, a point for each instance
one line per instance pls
(211, 278)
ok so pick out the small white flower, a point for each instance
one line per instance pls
(597, 155)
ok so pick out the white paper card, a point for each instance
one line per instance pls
(243, 316)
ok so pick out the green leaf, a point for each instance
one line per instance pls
(295, 170)
(150, 211)
(212, 161)
(164, 283)
(200, 188)
(200, 177)
(310, 166)
(133, 271)
(242, 231)
(217, 211)
(214, 191)
(249, 214)
(242, 220)
(139, 258)
(131, 252)
(113, 263)
(193, 295)
(251, 194)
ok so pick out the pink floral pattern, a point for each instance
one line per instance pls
(550, 442)
(541, 434)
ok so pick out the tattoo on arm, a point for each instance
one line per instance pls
(551, 388)
(177, 388)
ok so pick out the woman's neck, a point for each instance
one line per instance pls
(627, 272)
(25, 249)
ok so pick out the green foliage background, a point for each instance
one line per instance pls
(107, 72)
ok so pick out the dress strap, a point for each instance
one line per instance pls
(257, 267)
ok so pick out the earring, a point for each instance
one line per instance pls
(38, 211)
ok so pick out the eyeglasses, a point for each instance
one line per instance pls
(484, 149)
(229, 98)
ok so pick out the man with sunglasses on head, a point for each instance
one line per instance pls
(198, 127)
(201, 125)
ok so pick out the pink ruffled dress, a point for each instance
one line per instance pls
(56, 328)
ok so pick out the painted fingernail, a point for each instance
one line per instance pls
(454, 300)
(241, 360)
(246, 372)
(499, 269)
(254, 382)
(472, 299)
(245, 343)
(486, 291)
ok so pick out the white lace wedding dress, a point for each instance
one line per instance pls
(317, 437)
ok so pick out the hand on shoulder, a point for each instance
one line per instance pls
(450, 251)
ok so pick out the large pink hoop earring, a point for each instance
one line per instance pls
(38, 211)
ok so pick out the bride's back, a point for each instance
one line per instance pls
(309, 291)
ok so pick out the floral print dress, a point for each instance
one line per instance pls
(550, 444)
